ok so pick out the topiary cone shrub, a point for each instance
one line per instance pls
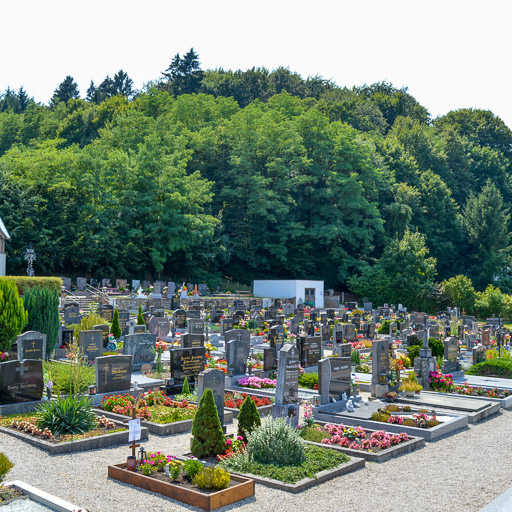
(13, 316)
(248, 419)
(140, 316)
(115, 328)
(208, 438)
(185, 390)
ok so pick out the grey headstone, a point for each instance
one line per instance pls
(213, 379)
(141, 347)
(91, 344)
(71, 315)
(334, 378)
(287, 389)
(31, 345)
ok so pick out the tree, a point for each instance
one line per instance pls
(491, 302)
(404, 274)
(42, 305)
(185, 390)
(140, 316)
(13, 316)
(208, 438)
(115, 328)
(184, 75)
(460, 293)
(486, 223)
(67, 90)
(249, 418)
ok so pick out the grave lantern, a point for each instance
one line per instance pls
(92, 390)
(142, 456)
(292, 411)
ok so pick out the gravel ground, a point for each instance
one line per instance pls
(460, 473)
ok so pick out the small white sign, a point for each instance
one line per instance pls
(134, 426)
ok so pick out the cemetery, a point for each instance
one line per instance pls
(227, 380)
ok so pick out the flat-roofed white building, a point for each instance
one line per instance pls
(4, 235)
(304, 291)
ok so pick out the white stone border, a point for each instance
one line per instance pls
(44, 498)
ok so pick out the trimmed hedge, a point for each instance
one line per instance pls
(27, 283)
(501, 367)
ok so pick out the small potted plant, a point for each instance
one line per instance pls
(410, 388)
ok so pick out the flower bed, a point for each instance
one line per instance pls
(235, 400)
(159, 413)
(372, 445)
(170, 477)
(257, 383)
(419, 419)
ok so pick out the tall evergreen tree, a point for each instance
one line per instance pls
(184, 74)
(67, 90)
(13, 316)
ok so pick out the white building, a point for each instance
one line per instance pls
(303, 291)
(4, 235)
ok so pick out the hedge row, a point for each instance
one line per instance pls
(27, 283)
(493, 368)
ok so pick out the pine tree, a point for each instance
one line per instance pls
(115, 328)
(66, 91)
(185, 390)
(249, 418)
(206, 428)
(42, 305)
(13, 316)
(140, 316)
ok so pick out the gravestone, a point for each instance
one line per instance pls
(31, 345)
(215, 316)
(121, 283)
(215, 380)
(124, 317)
(237, 353)
(81, 283)
(380, 367)
(310, 348)
(202, 288)
(368, 306)
(91, 344)
(66, 336)
(451, 349)
(287, 388)
(192, 340)
(196, 326)
(226, 324)
(344, 350)
(334, 378)
(180, 319)
(187, 362)
(239, 304)
(238, 315)
(288, 309)
(276, 337)
(269, 358)
(349, 332)
(106, 311)
(486, 337)
(193, 314)
(21, 381)
(337, 333)
(104, 332)
(105, 283)
(171, 288)
(159, 326)
(135, 284)
(66, 282)
(479, 354)
(71, 315)
(138, 329)
(113, 373)
(142, 347)
(425, 363)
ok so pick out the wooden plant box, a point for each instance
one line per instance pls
(244, 488)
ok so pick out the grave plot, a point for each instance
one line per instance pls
(234, 400)
(66, 425)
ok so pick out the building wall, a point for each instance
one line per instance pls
(2, 264)
(288, 289)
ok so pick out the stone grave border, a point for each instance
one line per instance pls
(414, 443)
(81, 445)
(161, 429)
(505, 403)
(447, 428)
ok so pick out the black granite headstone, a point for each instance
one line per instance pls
(113, 373)
(21, 381)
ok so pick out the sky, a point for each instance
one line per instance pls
(450, 54)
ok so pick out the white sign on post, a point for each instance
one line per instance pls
(134, 433)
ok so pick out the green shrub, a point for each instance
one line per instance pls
(381, 415)
(69, 378)
(191, 467)
(212, 478)
(308, 380)
(384, 327)
(140, 316)
(42, 305)
(276, 442)
(501, 367)
(5, 466)
(13, 316)
(313, 434)
(249, 418)
(24, 283)
(355, 357)
(66, 415)
(115, 328)
(413, 352)
(208, 438)
(185, 390)
(437, 347)
(86, 324)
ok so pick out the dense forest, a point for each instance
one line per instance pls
(255, 174)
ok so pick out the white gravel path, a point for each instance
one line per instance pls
(460, 473)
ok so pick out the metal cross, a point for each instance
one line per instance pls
(30, 256)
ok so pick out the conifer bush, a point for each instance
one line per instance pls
(42, 305)
(115, 328)
(13, 316)
(185, 390)
(140, 316)
(5, 466)
(208, 438)
(248, 419)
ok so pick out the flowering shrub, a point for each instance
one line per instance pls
(479, 391)
(257, 383)
(441, 382)
(29, 428)
(233, 447)
(396, 419)
(4, 356)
